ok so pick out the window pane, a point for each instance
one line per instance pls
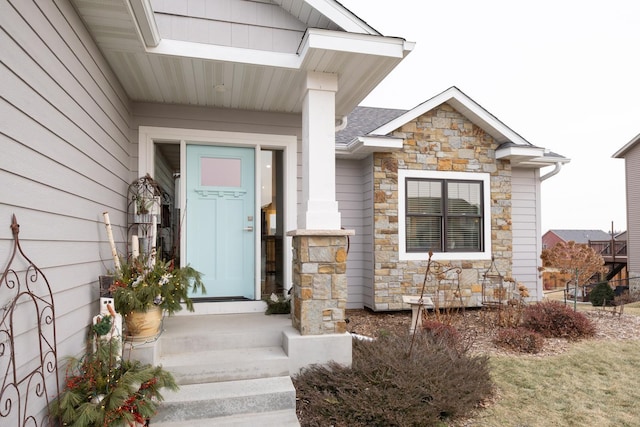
(464, 234)
(220, 172)
(464, 198)
(424, 197)
(423, 234)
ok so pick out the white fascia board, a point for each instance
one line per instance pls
(362, 146)
(226, 53)
(314, 39)
(142, 13)
(470, 109)
(522, 152)
(541, 162)
(341, 16)
(366, 145)
(391, 47)
(392, 143)
(628, 146)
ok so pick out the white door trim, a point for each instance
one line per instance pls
(148, 135)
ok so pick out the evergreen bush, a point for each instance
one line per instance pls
(601, 294)
(101, 389)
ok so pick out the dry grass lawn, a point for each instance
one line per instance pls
(594, 384)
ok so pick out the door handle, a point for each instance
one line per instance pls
(249, 228)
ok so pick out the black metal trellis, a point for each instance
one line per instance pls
(29, 382)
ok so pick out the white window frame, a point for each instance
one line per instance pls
(485, 178)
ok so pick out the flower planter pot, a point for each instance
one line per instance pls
(142, 326)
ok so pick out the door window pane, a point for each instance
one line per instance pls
(220, 172)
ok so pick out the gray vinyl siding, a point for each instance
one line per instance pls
(352, 197)
(65, 145)
(527, 243)
(225, 120)
(367, 231)
(235, 23)
(632, 171)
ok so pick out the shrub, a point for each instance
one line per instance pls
(442, 333)
(385, 387)
(519, 339)
(555, 320)
(601, 294)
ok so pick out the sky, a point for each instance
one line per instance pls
(564, 74)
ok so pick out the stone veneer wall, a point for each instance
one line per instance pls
(440, 140)
(319, 281)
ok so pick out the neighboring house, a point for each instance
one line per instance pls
(446, 176)
(630, 152)
(613, 253)
(95, 94)
(552, 237)
(232, 107)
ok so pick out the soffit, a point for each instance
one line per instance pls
(223, 77)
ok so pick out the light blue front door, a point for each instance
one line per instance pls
(220, 221)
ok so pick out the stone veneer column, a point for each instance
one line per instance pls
(319, 281)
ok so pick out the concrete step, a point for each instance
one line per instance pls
(284, 418)
(200, 402)
(187, 334)
(226, 365)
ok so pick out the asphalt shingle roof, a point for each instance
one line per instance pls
(363, 120)
(582, 236)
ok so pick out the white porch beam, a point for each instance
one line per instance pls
(319, 205)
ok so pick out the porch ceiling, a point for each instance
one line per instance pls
(152, 69)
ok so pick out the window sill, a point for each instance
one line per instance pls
(444, 256)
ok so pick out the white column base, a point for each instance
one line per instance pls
(320, 215)
(305, 350)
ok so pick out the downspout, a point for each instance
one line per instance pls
(342, 124)
(553, 172)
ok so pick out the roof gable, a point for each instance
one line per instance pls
(307, 11)
(374, 126)
(276, 25)
(621, 153)
(465, 106)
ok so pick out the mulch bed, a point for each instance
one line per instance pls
(475, 325)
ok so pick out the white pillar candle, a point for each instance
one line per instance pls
(135, 246)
